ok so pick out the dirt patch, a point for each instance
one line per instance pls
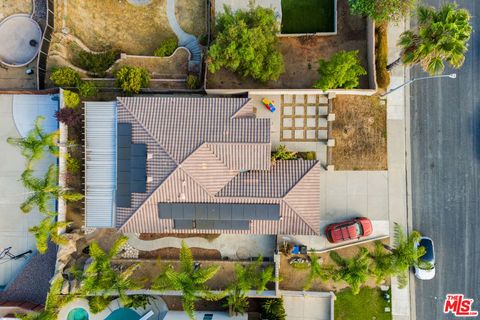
(175, 303)
(118, 25)
(173, 253)
(295, 279)
(301, 55)
(154, 236)
(191, 15)
(360, 133)
(149, 271)
(9, 7)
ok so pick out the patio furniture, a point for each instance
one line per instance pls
(299, 249)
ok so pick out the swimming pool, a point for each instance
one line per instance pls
(78, 314)
(123, 314)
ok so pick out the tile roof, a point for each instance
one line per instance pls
(213, 150)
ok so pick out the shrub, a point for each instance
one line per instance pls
(96, 63)
(65, 77)
(71, 99)
(132, 79)
(193, 82)
(87, 89)
(73, 164)
(69, 117)
(247, 43)
(341, 71)
(381, 10)
(272, 309)
(381, 56)
(283, 154)
(309, 155)
(167, 47)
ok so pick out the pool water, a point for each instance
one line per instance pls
(123, 314)
(78, 314)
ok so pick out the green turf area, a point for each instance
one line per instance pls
(368, 304)
(308, 16)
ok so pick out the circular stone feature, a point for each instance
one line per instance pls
(20, 37)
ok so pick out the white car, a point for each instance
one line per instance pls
(429, 256)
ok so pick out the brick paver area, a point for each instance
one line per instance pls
(303, 117)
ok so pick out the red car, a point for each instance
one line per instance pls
(349, 230)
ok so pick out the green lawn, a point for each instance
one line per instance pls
(368, 304)
(308, 16)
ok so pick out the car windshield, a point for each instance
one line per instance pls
(427, 244)
(358, 228)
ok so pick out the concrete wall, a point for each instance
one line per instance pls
(363, 92)
(372, 74)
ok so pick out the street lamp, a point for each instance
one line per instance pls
(451, 76)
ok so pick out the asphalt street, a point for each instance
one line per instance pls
(445, 145)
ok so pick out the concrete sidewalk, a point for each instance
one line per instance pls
(398, 118)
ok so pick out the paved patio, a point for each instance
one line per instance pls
(305, 111)
(14, 224)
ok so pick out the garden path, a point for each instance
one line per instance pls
(184, 39)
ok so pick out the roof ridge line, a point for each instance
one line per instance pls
(241, 107)
(300, 216)
(302, 177)
(119, 99)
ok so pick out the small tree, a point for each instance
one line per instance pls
(353, 271)
(36, 142)
(317, 271)
(442, 36)
(273, 309)
(132, 79)
(406, 254)
(69, 117)
(65, 77)
(87, 89)
(43, 191)
(190, 280)
(246, 43)
(341, 71)
(247, 277)
(49, 229)
(167, 47)
(71, 99)
(382, 10)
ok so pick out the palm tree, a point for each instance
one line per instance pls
(247, 277)
(36, 142)
(406, 254)
(383, 263)
(102, 280)
(353, 271)
(317, 271)
(45, 190)
(49, 228)
(190, 280)
(441, 37)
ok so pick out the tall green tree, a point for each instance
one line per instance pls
(44, 191)
(101, 280)
(354, 271)
(37, 141)
(190, 280)
(343, 70)
(441, 37)
(49, 228)
(406, 254)
(317, 271)
(382, 10)
(247, 277)
(246, 43)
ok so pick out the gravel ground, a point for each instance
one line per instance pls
(32, 284)
(40, 13)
